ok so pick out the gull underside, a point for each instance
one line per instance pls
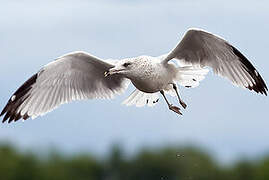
(79, 75)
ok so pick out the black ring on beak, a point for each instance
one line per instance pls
(106, 73)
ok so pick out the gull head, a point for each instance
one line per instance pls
(126, 67)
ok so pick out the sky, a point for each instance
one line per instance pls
(231, 122)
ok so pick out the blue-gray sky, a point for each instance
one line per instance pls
(230, 121)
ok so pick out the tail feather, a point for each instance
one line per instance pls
(190, 76)
(139, 99)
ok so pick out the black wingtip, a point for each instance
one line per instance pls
(259, 85)
(10, 110)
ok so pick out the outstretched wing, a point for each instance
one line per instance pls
(200, 48)
(74, 76)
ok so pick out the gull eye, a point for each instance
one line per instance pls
(126, 64)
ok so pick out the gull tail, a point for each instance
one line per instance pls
(139, 99)
(190, 76)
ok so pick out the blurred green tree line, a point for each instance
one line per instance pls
(170, 163)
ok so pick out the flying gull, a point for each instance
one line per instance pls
(80, 75)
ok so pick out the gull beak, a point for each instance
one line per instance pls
(106, 73)
(114, 70)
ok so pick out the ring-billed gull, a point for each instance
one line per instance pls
(79, 75)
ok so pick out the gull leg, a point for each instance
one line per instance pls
(184, 105)
(170, 106)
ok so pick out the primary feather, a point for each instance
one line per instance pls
(203, 49)
(79, 75)
(74, 76)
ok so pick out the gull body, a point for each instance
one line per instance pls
(148, 74)
(80, 75)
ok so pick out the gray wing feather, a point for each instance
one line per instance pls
(200, 48)
(74, 76)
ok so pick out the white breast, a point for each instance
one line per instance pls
(154, 76)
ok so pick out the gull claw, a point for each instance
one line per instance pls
(175, 109)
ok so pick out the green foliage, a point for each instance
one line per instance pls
(187, 163)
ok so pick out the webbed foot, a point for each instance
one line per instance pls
(175, 109)
(184, 105)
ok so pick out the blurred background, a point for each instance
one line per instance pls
(223, 133)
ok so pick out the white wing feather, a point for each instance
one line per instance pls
(202, 49)
(74, 76)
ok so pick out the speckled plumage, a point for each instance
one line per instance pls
(79, 75)
(149, 74)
